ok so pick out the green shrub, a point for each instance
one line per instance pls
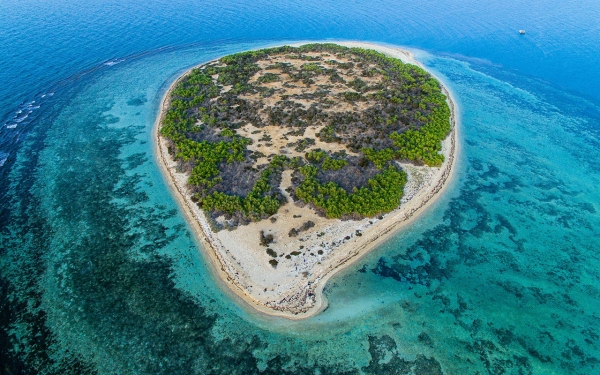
(382, 194)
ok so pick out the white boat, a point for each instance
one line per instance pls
(521, 32)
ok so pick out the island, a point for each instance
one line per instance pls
(291, 162)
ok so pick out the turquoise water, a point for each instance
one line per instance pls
(100, 273)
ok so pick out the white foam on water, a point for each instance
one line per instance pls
(113, 62)
(21, 119)
(3, 158)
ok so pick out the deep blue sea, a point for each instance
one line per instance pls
(99, 272)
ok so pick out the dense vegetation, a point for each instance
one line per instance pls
(382, 193)
(261, 200)
(373, 106)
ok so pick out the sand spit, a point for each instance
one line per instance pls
(294, 289)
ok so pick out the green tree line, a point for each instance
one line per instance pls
(382, 193)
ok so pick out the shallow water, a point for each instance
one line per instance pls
(100, 273)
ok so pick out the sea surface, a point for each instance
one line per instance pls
(99, 272)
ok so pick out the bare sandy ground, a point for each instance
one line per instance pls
(294, 288)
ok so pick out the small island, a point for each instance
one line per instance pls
(291, 162)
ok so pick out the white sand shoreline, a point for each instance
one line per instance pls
(293, 305)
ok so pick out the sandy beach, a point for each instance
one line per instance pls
(294, 290)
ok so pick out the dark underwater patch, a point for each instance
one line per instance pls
(138, 101)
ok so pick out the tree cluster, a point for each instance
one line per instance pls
(406, 118)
